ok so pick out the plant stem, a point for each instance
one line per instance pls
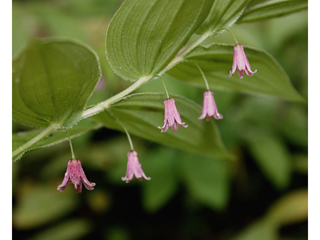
(180, 57)
(124, 128)
(232, 35)
(72, 152)
(204, 77)
(104, 105)
(165, 88)
(128, 135)
(50, 129)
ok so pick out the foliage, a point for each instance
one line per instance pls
(235, 178)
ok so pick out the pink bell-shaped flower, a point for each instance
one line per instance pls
(209, 108)
(241, 62)
(171, 116)
(134, 168)
(77, 176)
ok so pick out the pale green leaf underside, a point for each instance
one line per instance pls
(265, 9)
(223, 14)
(216, 62)
(145, 35)
(52, 81)
(18, 139)
(141, 114)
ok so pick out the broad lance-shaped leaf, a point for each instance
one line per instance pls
(142, 113)
(161, 164)
(18, 139)
(265, 9)
(271, 154)
(50, 206)
(207, 179)
(216, 62)
(52, 81)
(145, 35)
(223, 14)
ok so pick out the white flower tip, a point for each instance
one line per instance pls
(125, 179)
(218, 116)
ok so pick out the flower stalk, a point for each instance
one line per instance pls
(71, 148)
(105, 104)
(165, 88)
(204, 77)
(144, 79)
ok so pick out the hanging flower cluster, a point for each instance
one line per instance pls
(172, 119)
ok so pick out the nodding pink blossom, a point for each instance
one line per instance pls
(171, 116)
(209, 108)
(240, 60)
(77, 176)
(134, 168)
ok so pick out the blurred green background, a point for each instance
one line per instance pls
(262, 195)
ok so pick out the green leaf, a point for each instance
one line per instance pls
(261, 229)
(19, 139)
(265, 9)
(52, 82)
(300, 163)
(223, 14)
(272, 156)
(42, 205)
(294, 124)
(206, 179)
(216, 61)
(290, 209)
(160, 167)
(68, 230)
(145, 35)
(141, 114)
